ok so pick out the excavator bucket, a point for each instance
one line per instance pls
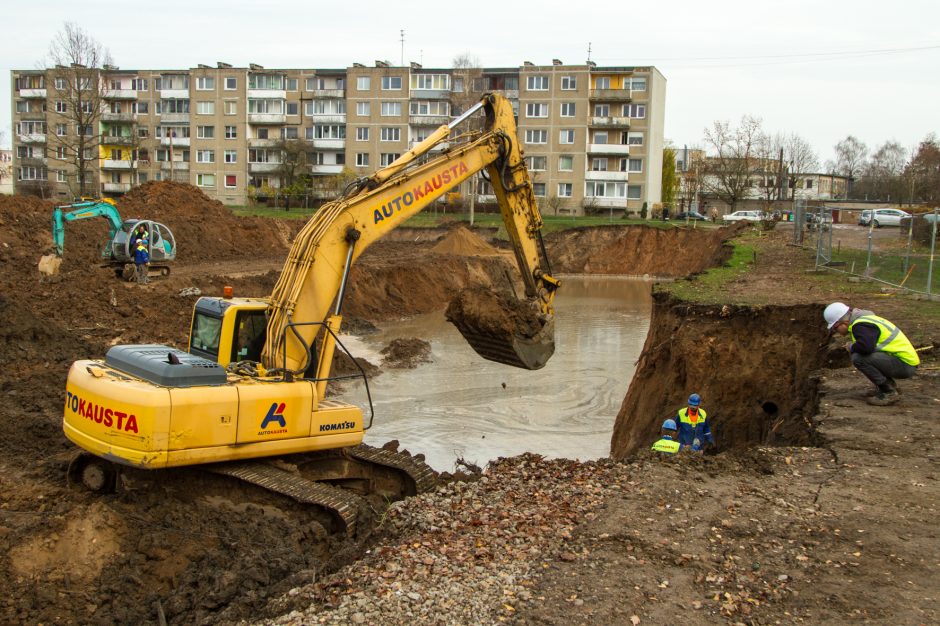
(503, 329)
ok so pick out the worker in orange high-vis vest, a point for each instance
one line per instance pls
(668, 442)
(694, 430)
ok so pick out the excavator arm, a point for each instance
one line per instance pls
(80, 211)
(317, 268)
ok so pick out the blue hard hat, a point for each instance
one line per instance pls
(670, 424)
(694, 400)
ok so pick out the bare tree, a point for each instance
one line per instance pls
(77, 93)
(924, 170)
(851, 155)
(294, 169)
(464, 94)
(882, 177)
(800, 159)
(728, 171)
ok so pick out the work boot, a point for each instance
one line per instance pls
(884, 398)
(890, 386)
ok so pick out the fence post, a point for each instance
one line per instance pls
(871, 229)
(910, 239)
(933, 247)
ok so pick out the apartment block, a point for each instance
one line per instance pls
(592, 136)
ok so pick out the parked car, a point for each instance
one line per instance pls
(748, 216)
(691, 215)
(882, 217)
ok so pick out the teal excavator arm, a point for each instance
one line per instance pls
(80, 211)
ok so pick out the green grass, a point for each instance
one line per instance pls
(891, 268)
(707, 287)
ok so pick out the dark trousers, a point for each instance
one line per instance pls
(879, 366)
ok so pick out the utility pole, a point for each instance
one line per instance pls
(403, 47)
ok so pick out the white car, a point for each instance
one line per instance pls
(882, 217)
(748, 216)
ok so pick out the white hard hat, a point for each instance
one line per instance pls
(835, 312)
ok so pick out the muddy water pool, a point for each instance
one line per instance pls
(461, 406)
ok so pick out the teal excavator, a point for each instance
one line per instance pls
(118, 251)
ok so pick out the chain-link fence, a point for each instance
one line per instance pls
(886, 245)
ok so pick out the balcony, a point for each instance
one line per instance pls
(174, 94)
(329, 144)
(263, 168)
(604, 203)
(619, 95)
(612, 122)
(334, 118)
(620, 177)
(32, 93)
(177, 142)
(116, 141)
(32, 161)
(268, 94)
(35, 116)
(117, 164)
(608, 148)
(124, 94)
(174, 118)
(511, 94)
(32, 138)
(429, 120)
(108, 116)
(430, 94)
(116, 187)
(176, 166)
(267, 118)
(329, 93)
(262, 143)
(327, 169)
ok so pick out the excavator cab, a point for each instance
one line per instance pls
(228, 330)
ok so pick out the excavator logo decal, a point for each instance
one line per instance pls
(275, 414)
(447, 178)
(100, 414)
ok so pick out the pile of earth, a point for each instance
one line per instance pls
(463, 241)
(406, 353)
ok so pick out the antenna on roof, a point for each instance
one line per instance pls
(589, 52)
(403, 47)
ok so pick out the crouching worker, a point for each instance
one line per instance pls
(694, 430)
(142, 260)
(878, 348)
(668, 442)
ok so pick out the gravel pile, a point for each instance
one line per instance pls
(467, 554)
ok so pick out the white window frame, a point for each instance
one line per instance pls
(201, 132)
(567, 109)
(362, 159)
(566, 136)
(388, 106)
(536, 109)
(363, 83)
(639, 192)
(561, 167)
(537, 82)
(205, 107)
(538, 190)
(634, 111)
(635, 166)
(389, 82)
(534, 161)
(205, 156)
(362, 133)
(390, 133)
(387, 158)
(231, 132)
(535, 136)
(230, 83)
(230, 156)
(363, 109)
(225, 181)
(569, 83)
(563, 187)
(205, 83)
(205, 180)
(634, 135)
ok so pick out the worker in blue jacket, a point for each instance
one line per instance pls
(668, 442)
(694, 430)
(142, 260)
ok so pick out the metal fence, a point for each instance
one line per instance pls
(902, 257)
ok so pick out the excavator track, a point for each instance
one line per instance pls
(420, 472)
(342, 504)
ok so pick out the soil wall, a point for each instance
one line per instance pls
(751, 365)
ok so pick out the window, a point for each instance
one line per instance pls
(31, 173)
(87, 131)
(291, 84)
(537, 83)
(231, 156)
(175, 105)
(325, 107)
(564, 190)
(205, 180)
(61, 130)
(140, 108)
(22, 106)
(266, 81)
(139, 84)
(391, 108)
(429, 107)
(362, 159)
(600, 137)
(293, 108)
(537, 163)
(273, 106)
(60, 107)
(391, 134)
(599, 165)
(386, 158)
(362, 133)
(363, 109)
(601, 110)
(603, 189)
(231, 83)
(636, 165)
(205, 83)
(205, 132)
(567, 109)
(205, 156)
(569, 83)
(634, 139)
(809, 184)
(363, 83)
(230, 107)
(86, 106)
(634, 192)
(602, 82)
(231, 132)
(289, 132)
(538, 189)
(623, 164)
(391, 82)
(59, 83)
(565, 163)
(536, 109)
(536, 136)
(60, 176)
(440, 82)
(635, 111)
(231, 180)
(261, 133)
(458, 85)
(637, 84)
(205, 108)
(566, 135)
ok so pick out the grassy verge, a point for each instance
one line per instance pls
(707, 287)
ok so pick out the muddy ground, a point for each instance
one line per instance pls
(197, 549)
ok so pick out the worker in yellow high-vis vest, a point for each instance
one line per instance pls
(879, 349)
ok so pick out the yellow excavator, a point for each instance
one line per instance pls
(249, 397)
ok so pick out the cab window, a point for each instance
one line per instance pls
(250, 332)
(204, 341)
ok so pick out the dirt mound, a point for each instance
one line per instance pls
(494, 313)
(406, 353)
(463, 242)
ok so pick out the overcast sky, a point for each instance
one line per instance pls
(823, 70)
